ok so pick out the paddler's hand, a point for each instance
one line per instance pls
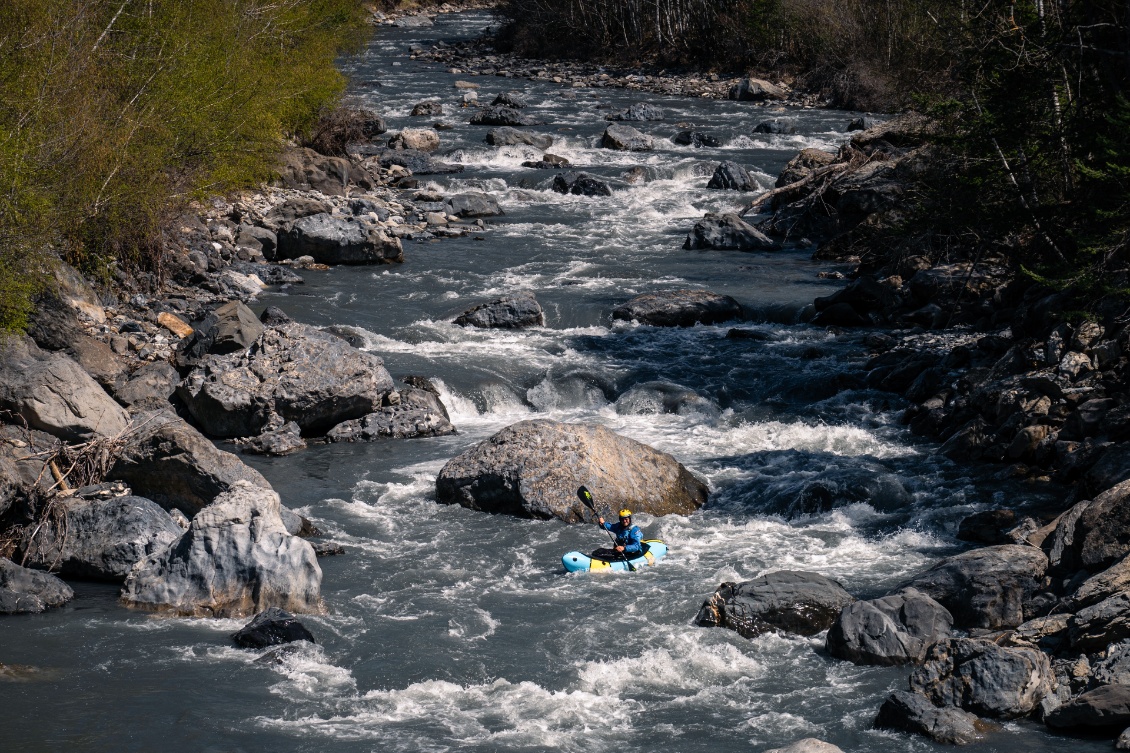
(620, 549)
(600, 520)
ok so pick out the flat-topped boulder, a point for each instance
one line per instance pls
(333, 240)
(785, 601)
(679, 308)
(26, 591)
(756, 90)
(235, 560)
(533, 469)
(624, 138)
(508, 312)
(727, 232)
(473, 204)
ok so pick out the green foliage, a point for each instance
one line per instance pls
(115, 112)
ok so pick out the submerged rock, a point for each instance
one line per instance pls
(787, 601)
(695, 139)
(727, 232)
(532, 469)
(896, 629)
(581, 184)
(508, 312)
(663, 397)
(271, 627)
(24, 591)
(679, 308)
(638, 111)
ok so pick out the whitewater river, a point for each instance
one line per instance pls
(456, 630)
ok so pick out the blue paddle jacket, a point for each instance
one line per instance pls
(631, 538)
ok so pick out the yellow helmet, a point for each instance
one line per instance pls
(625, 513)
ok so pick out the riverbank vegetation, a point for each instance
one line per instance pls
(114, 113)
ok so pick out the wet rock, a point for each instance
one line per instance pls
(983, 678)
(896, 629)
(838, 488)
(271, 627)
(638, 111)
(732, 176)
(277, 442)
(99, 539)
(695, 139)
(24, 591)
(499, 115)
(626, 139)
(756, 90)
(427, 109)
(652, 398)
(863, 123)
(230, 328)
(331, 240)
(473, 204)
(581, 184)
(785, 601)
(293, 372)
(987, 527)
(513, 137)
(54, 394)
(679, 308)
(148, 388)
(509, 99)
(508, 312)
(393, 422)
(548, 162)
(774, 127)
(912, 712)
(168, 461)
(1096, 627)
(416, 162)
(1102, 710)
(236, 559)
(808, 745)
(985, 588)
(419, 139)
(532, 469)
(727, 232)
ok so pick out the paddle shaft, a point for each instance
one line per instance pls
(587, 501)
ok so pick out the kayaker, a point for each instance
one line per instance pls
(629, 538)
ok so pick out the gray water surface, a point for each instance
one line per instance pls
(455, 630)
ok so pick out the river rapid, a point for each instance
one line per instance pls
(456, 630)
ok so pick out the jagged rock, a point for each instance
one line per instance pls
(985, 588)
(911, 712)
(306, 170)
(1046, 633)
(727, 232)
(756, 90)
(420, 139)
(171, 463)
(1101, 586)
(987, 526)
(426, 109)
(1105, 528)
(808, 745)
(1104, 709)
(508, 312)
(1096, 627)
(338, 241)
(271, 627)
(54, 394)
(513, 137)
(473, 204)
(393, 422)
(229, 328)
(695, 139)
(99, 539)
(1114, 667)
(416, 162)
(626, 139)
(896, 629)
(236, 559)
(774, 127)
(638, 111)
(24, 591)
(148, 388)
(786, 601)
(293, 372)
(281, 441)
(1065, 541)
(499, 115)
(273, 316)
(732, 176)
(983, 678)
(679, 308)
(296, 207)
(803, 165)
(533, 469)
(581, 184)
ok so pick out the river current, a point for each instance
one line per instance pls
(452, 630)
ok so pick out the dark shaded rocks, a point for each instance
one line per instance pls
(548, 162)
(533, 469)
(508, 312)
(695, 139)
(841, 487)
(987, 527)
(236, 559)
(804, 165)
(756, 90)
(626, 139)
(148, 388)
(679, 308)
(910, 712)
(896, 629)
(426, 109)
(24, 591)
(271, 627)
(417, 162)
(727, 232)
(581, 184)
(473, 204)
(293, 372)
(509, 99)
(1100, 586)
(273, 316)
(99, 539)
(54, 394)
(785, 601)
(331, 240)
(1103, 710)
(985, 588)
(403, 421)
(650, 398)
(229, 328)
(732, 176)
(500, 115)
(984, 678)
(862, 123)
(1095, 627)
(506, 136)
(638, 111)
(1105, 528)
(774, 127)
(865, 296)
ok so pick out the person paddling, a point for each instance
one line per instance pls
(629, 538)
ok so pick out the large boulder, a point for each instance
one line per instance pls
(533, 469)
(24, 591)
(293, 372)
(1100, 587)
(626, 139)
(509, 99)
(896, 629)
(508, 312)
(229, 328)
(985, 588)
(786, 601)
(727, 232)
(912, 712)
(1096, 627)
(756, 90)
(147, 388)
(271, 627)
(332, 240)
(500, 115)
(99, 539)
(473, 204)
(235, 560)
(1104, 528)
(420, 139)
(731, 176)
(403, 421)
(55, 395)
(1103, 710)
(984, 678)
(168, 461)
(416, 162)
(507, 136)
(679, 308)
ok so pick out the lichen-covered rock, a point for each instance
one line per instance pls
(533, 469)
(393, 422)
(514, 311)
(896, 629)
(679, 308)
(787, 601)
(235, 560)
(24, 591)
(984, 678)
(727, 232)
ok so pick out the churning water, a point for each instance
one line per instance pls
(455, 630)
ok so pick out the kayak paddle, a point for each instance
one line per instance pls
(586, 499)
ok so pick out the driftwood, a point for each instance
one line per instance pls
(796, 186)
